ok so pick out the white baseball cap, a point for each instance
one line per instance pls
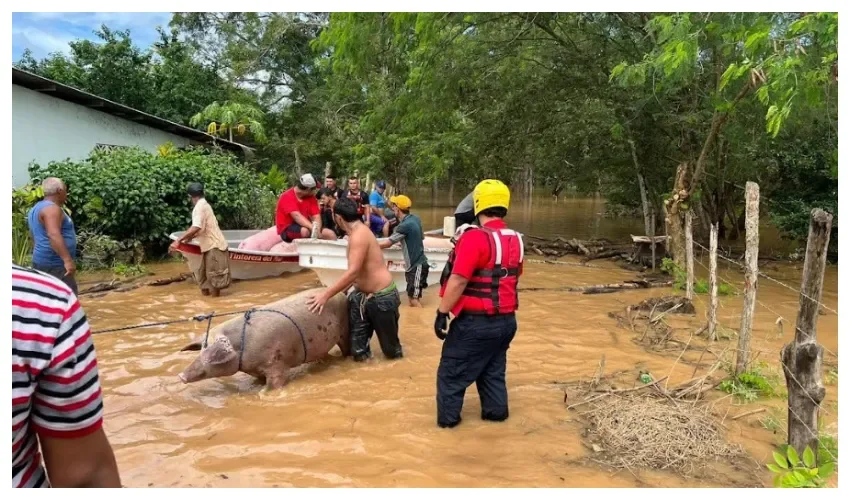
(308, 181)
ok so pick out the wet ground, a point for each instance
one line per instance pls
(339, 423)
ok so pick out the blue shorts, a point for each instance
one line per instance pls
(376, 224)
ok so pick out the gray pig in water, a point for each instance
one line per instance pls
(274, 343)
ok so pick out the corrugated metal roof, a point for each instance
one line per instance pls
(76, 96)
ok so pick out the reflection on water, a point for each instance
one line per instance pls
(575, 217)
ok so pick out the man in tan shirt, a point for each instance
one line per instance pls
(213, 271)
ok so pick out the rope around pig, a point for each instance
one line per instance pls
(208, 317)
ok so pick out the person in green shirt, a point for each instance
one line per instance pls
(409, 233)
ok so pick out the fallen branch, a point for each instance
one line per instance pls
(173, 279)
(748, 413)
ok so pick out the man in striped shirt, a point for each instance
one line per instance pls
(56, 398)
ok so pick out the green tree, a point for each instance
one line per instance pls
(228, 117)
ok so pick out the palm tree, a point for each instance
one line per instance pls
(231, 116)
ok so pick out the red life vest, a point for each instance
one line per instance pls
(492, 290)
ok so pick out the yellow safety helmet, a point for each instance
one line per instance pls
(490, 193)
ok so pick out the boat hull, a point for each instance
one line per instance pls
(244, 264)
(329, 261)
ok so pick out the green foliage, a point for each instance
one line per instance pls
(165, 80)
(792, 472)
(274, 179)
(525, 97)
(773, 421)
(128, 270)
(751, 385)
(680, 279)
(226, 118)
(132, 195)
(23, 200)
(97, 251)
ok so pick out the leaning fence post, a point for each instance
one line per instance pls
(750, 277)
(802, 358)
(712, 284)
(689, 253)
(652, 240)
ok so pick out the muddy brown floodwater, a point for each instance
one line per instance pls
(339, 423)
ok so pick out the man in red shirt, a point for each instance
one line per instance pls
(298, 211)
(480, 290)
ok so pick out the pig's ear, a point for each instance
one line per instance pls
(220, 352)
(194, 345)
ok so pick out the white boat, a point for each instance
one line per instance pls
(244, 264)
(328, 258)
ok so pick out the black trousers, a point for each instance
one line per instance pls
(59, 272)
(475, 350)
(378, 314)
(417, 280)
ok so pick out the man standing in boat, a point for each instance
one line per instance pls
(374, 303)
(360, 199)
(212, 274)
(298, 211)
(409, 233)
(330, 185)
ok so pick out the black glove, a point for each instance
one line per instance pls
(441, 325)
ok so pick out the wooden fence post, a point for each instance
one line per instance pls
(652, 240)
(689, 253)
(751, 271)
(712, 284)
(802, 358)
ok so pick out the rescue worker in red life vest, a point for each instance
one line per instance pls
(480, 291)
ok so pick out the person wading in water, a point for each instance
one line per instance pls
(479, 288)
(212, 273)
(374, 303)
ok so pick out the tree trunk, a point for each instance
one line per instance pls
(435, 189)
(733, 219)
(230, 132)
(528, 180)
(297, 161)
(675, 221)
(642, 186)
(803, 357)
(689, 254)
(451, 188)
(750, 278)
(328, 169)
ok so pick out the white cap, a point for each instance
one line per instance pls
(308, 181)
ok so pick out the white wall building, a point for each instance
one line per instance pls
(54, 122)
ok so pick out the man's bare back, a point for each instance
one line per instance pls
(374, 275)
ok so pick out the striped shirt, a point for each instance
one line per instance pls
(55, 384)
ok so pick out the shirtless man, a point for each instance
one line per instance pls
(374, 302)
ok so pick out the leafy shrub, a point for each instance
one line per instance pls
(680, 279)
(274, 179)
(23, 200)
(97, 251)
(791, 472)
(751, 385)
(131, 195)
